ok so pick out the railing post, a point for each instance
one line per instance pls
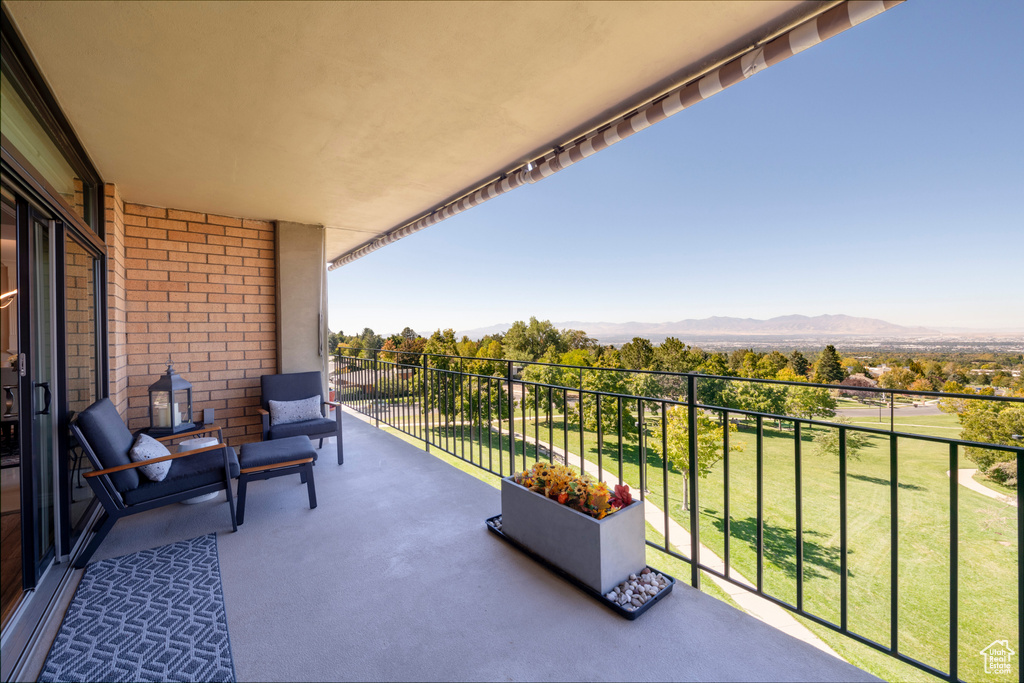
(425, 407)
(511, 421)
(691, 406)
(642, 432)
(376, 390)
(892, 411)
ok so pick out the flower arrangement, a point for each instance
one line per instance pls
(580, 492)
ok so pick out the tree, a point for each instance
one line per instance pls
(896, 378)
(921, 384)
(333, 339)
(603, 379)
(352, 348)
(1001, 379)
(489, 359)
(709, 442)
(749, 366)
(388, 350)
(954, 404)
(829, 368)
(408, 333)
(761, 398)
(637, 354)
(578, 357)
(857, 381)
(530, 341)
(675, 356)
(443, 344)
(410, 350)
(645, 384)
(577, 339)
(536, 398)
(826, 441)
(715, 392)
(466, 347)
(810, 402)
(770, 364)
(370, 339)
(990, 422)
(799, 364)
(853, 366)
(736, 358)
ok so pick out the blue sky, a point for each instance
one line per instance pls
(879, 174)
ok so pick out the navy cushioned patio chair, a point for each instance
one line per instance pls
(296, 386)
(123, 491)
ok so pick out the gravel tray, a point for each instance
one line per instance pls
(494, 524)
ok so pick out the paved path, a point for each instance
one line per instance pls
(900, 411)
(758, 607)
(966, 478)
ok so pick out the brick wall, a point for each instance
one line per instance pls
(199, 287)
(116, 308)
(80, 302)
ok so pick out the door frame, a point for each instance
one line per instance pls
(53, 587)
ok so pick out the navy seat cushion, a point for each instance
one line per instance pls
(186, 473)
(110, 440)
(306, 428)
(266, 453)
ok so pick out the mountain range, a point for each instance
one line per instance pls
(721, 326)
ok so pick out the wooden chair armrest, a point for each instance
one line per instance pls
(262, 411)
(172, 456)
(195, 432)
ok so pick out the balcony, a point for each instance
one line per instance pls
(394, 577)
(871, 543)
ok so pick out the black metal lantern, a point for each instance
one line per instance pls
(170, 404)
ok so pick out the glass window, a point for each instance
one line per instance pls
(21, 127)
(83, 349)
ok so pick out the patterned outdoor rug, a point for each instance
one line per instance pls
(154, 615)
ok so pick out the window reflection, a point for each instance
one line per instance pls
(82, 357)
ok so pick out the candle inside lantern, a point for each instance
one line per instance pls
(161, 410)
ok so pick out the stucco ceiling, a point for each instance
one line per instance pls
(357, 116)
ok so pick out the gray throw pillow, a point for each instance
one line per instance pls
(147, 448)
(285, 412)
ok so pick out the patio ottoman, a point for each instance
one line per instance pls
(277, 458)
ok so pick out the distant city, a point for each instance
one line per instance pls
(792, 331)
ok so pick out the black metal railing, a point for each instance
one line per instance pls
(469, 408)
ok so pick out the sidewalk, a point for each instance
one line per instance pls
(965, 477)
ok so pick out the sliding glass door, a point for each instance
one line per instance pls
(51, 366)
(37, 387)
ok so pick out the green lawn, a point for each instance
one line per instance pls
(987, 535)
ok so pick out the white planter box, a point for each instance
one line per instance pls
(600, 553)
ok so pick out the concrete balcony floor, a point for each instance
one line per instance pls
(395, 577)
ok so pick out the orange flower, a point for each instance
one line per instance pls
(562, 497)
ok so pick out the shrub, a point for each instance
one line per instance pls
(1004, 473)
